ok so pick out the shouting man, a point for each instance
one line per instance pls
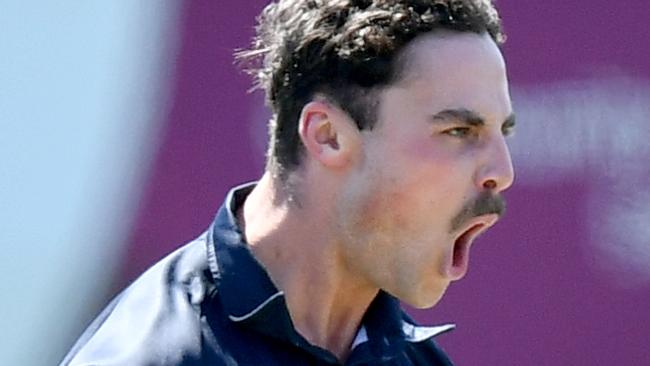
(387, 158)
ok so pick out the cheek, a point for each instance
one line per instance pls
(380, 201)
(433, 171)
(434, 181)
(381, 206)
(399, 204)
(426, 150)
(414, 184)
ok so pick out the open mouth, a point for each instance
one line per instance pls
(461, 245)
(461, 249)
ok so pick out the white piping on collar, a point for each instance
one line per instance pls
(362, 336)
(258, 308)
(416, 333)
(412, 333)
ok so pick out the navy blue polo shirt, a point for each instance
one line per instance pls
(211, 303)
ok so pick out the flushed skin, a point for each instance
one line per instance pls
(414, 173)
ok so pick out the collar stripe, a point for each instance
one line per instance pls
(258, 308)
(415, 333)
(362, 337)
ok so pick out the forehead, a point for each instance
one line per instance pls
(449, 69)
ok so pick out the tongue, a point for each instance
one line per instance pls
(460, 252)
(460, 258)
(459, 263)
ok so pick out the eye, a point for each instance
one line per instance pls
(508, 130)
(458, 131)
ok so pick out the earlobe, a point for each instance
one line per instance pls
(324, 133)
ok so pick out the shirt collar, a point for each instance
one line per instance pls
(251, 299)
(247, 293)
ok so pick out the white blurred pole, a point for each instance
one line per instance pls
(80, 98)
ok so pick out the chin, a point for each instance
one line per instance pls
(424, 298)
(424, 303)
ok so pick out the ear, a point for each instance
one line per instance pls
(329, 135)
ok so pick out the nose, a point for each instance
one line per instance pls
(496, 172)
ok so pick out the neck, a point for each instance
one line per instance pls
(292, 241)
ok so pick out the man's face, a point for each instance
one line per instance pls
(432, 168)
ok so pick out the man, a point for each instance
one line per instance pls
(387, 158)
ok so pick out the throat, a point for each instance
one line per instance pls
(329, 319)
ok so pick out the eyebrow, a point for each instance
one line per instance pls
(469, 117)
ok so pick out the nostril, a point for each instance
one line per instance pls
(490, 184)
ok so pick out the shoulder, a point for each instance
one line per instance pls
(156, 320)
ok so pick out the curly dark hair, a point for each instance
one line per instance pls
(345, 50)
